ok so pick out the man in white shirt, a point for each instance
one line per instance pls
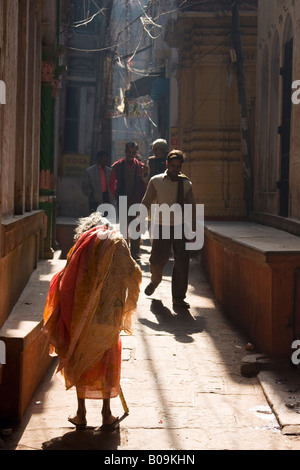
(169, 188)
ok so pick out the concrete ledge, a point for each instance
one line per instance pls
(255, 273)
(281, 388)
(276, 221)
(19, 228)
(27, 350)
(280, 383)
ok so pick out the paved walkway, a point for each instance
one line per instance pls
(182, 382)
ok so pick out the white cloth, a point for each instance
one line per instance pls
(161, 190)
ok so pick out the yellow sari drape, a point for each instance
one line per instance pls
(89, 303)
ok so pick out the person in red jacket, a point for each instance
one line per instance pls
(128, 178)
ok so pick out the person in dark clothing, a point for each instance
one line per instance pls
(157, 162)
(128, 179)
(170, 188)
(94, 184)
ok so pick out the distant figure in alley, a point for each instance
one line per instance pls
(94, 183)
(157, 161)
(89, 303)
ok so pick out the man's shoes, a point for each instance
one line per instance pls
(180, 304)
(149, 289)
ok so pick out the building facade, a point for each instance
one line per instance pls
(81, 102)
(140, 107)
(208, 112)
(277, 160)
(253, 266)
(22, 222)
(29, 74)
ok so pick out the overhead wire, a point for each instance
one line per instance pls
(126, 27)
(77, 24)
(143, 18)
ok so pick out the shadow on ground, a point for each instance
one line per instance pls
(87, 439)
(180, 323)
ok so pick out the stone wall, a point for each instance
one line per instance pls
(254, 272)
(208, 106)
(21, 233)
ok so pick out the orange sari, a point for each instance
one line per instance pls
(89, 303)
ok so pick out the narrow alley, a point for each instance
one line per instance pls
(181, 378)
(97, 97)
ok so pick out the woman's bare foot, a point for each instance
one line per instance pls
(78, 421)
(109, 420)
(110, 423)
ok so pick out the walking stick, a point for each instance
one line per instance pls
(124, 404)
(123, 401)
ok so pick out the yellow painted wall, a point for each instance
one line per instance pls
(208, 109)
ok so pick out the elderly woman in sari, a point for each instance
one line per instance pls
(89, 303)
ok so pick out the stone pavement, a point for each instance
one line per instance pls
(181, 378)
